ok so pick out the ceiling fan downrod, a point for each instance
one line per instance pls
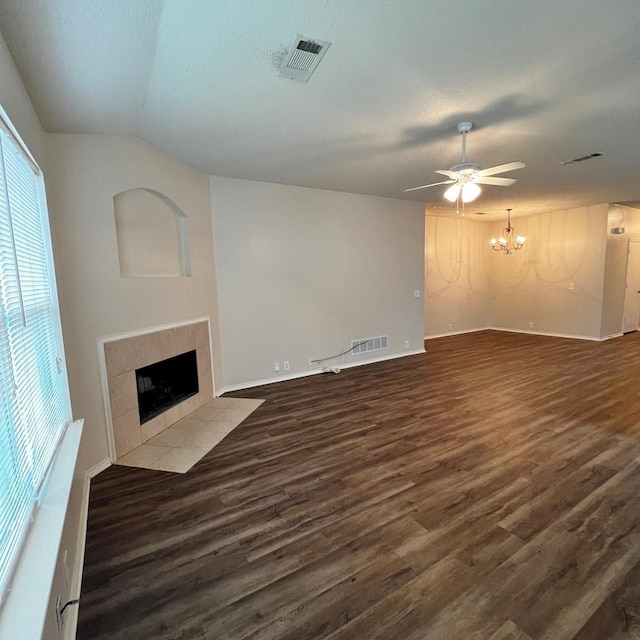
(464, 128)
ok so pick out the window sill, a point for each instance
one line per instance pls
(24, 611)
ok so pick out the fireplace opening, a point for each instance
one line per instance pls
(164, 384)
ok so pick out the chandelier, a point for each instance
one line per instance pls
(509, 241)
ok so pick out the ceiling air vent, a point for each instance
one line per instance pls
(582, 158)
(304, 57)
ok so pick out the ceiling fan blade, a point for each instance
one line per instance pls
(449, 174)
(425, 186)
(498, 182)
(501, 168)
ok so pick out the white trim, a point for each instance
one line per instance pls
(455, 333)
(312, 372)
(104, 381)
(23, 613)
(106, 403)
(11, 131)
(160, 327)
(92, 472)
(529, 332)
(71, 615)
(557, 335)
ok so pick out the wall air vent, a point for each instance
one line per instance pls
(583, 158)
(303, 58)
(364, 345)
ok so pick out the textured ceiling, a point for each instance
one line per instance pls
(543, 81)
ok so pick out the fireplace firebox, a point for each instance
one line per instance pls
(165, 384)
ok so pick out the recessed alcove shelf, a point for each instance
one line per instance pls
(152, 234)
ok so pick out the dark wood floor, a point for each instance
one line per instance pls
(487, 490)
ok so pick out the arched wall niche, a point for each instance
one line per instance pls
(153, 235)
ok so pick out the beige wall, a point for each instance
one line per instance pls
(147, 233)
(15, 101)
(533, 285)
(471, 286)
(456, 275)
(96, 300)
(302, 272)
(616, 265)
(83, 175)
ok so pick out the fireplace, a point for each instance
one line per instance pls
(166, 383)
(126, 360)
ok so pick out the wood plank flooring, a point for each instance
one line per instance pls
(486, 490)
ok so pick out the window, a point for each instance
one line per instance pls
(34, 401)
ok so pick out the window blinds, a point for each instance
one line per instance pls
(34, 405)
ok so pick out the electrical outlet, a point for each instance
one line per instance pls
(531, 325)
(416, 293)
(450, 326)
(287, 366)
(276, 366)
(572, 286)
(406, 344)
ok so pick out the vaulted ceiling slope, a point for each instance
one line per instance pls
(543, 82)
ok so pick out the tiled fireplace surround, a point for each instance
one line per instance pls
(122, 356)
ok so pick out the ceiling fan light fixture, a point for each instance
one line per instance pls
(470, 191)
(451, 194)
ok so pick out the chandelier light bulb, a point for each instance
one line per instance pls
(503, 241)
(493, 242)
(520, 239)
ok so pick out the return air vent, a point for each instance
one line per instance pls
(304, 57)
(364, 345)
(583, 158)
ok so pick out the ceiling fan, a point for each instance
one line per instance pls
(464, 178)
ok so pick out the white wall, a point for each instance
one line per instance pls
(533, 284)
(147, 233)
(302, 272)
(96, 300)
(456, 277)
(615, 274)
(15, 101)
(468, 282)
(84, 173)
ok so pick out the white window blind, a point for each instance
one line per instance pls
(34, 401)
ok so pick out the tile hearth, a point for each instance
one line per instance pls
(180, 446)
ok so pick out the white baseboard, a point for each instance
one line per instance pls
(71, 621)
(455, 333)
(92, 472)
(527, 331)
(312, 372)
(556, 335)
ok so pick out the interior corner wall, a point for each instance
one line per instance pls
(96, 301)
(532, 285)
(303, 272)
(15, 101)
(456, 277)
(615, 274)
(469, 286)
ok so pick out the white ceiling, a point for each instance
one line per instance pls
(543, 81)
